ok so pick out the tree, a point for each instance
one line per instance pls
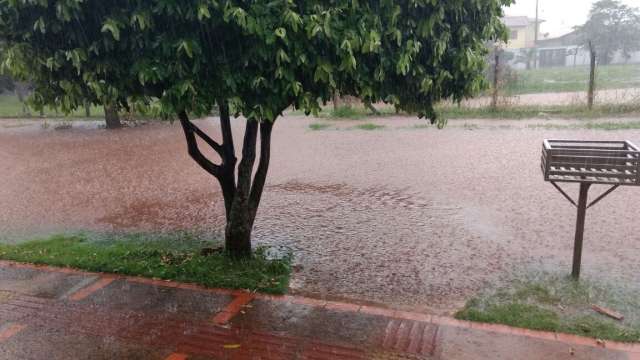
(611, 27)
(111, 117)
(251, 59)
(526, 57)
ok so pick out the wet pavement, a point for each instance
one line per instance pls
(51, 313)
(406, 216)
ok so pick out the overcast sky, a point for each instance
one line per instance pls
(560, 15)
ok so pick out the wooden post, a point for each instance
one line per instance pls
(496, 78)
(592, 75)
(577, 246)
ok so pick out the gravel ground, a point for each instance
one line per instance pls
(407, 216)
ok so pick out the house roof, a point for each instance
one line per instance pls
(518, 21)
(569, 39)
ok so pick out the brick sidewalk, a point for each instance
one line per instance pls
(52, 313)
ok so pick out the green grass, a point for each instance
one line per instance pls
(356, 112)
(556, 303)
(319, 126)
(347, 112)
(531, 112)
(10, 107)
(369, 126)
(170, 257)
(565, 79)
(608, 126)
(513, 314)
(508, 112)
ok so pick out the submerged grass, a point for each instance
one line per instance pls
(556, 303)
(356, 112)
(169, 257)
(369, 126)
(318, 126)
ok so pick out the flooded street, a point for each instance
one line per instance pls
(406, 216)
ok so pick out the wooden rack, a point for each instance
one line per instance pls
(614, 163)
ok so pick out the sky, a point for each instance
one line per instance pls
(560, 15)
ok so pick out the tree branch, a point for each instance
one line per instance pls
(192, 146)
(245, 169)
(227, 135)
(229, 160)
(217, 147)
(261, 173)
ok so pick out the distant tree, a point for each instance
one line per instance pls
(526, 57)
(249, 58)
(6, 84)
(611, 27)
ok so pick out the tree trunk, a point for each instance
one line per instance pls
(248, 194)
(22, 92)
(87, 109)
(371, 108)
(592, 77)
(111, 117)
(242, 198)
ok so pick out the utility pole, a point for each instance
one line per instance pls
(535, 37)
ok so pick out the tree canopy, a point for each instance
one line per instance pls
(611, 27)
(261, 56)
(249, 58)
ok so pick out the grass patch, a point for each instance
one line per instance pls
(608, 126)
(346, 112)
(513, 314)
(357, 112)
(448, 111)
(11, 107)
(569, 79)
(532, 112)
(319, 126)
(369, 126)
(556, 303)
(170, 257)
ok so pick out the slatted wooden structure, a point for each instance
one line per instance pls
(614, 163)
(595, 162)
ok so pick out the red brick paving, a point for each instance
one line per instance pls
(87, 291)
(10, 330)
(410, 337)
(177, 356)
(235, 307)
(407, 335)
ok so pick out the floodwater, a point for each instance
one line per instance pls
(406, 216)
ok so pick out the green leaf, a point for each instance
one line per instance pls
(281, 33)
(203, 12)
(39, 25)
(111, 26)
(185, 46)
